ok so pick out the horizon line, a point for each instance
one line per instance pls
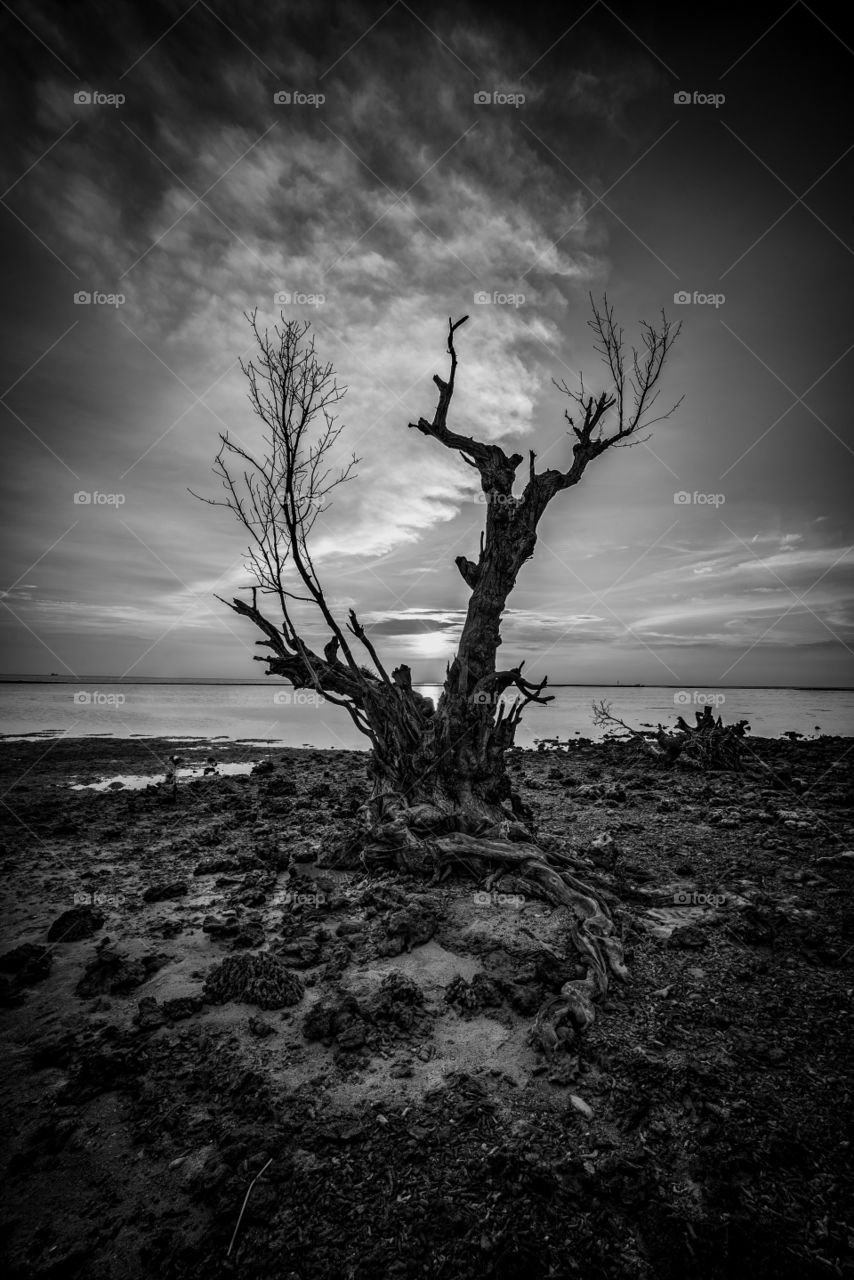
(209, 680)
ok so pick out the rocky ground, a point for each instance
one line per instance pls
(223, 1059)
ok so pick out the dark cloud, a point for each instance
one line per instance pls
(397, 201)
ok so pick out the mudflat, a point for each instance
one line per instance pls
(224, 1058)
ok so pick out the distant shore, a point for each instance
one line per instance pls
(420, 684)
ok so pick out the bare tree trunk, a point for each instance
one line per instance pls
(440, 797)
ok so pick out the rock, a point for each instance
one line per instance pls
(603, 851)
(26, 965)
(352, 1037)
(182, 1007)
(216, 866)
(149, 1014)
(523, 998)
(261, 1029)
(349, 927)
(342, 1020)
(410, 927)
(79, 922)
(304, 951)
(165, 892)
(169, 928)
(221, 927)
(469, 998)
(253, 978)
(114, 973)
(249, 937)
(262, 767)
(398, 1000)
(252, 897)
(690, 937)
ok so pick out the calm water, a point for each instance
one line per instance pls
(297, 718)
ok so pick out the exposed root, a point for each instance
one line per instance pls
(519, 868)
(592, 933)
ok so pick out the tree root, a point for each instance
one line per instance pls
(517, 867)
(525, 868)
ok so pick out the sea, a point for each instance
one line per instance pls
(276, 713)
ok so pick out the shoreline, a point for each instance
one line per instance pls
(83, 756)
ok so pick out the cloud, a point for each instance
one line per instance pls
(397, 203)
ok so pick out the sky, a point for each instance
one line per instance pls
(376, 168)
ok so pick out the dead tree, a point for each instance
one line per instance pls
(440, 794)
(708, 745)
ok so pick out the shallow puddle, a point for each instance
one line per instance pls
(137, 781)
